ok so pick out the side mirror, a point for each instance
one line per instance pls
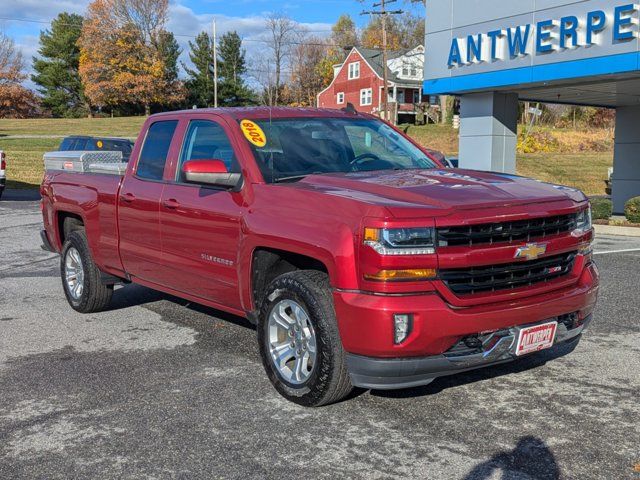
(210, 172)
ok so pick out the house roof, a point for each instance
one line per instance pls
(374, 58)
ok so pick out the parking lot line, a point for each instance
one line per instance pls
(625, 250)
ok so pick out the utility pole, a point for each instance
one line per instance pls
(215, 66)
(384, 14)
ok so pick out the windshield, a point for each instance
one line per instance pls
(290, 149)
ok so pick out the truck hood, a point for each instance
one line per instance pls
(439, 189)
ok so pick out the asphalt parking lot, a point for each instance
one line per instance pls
(160, 388)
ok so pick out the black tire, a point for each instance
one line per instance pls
(329, 380)
(95, 295)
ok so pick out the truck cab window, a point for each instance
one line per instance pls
(206, 140)
(155, 150)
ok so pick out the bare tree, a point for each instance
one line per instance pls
(11, 63)
(147, 16)
(281, 32)
(306, 64)
(16, 101)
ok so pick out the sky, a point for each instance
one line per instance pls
(23, 20)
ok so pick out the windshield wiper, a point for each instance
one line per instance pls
(296, 177)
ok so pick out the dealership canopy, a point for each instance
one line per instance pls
(493, 53)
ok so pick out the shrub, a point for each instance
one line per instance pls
(632, 210)
(537, 142)
(601, 208)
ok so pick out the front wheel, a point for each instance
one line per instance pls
(299, 340)
(81, 278)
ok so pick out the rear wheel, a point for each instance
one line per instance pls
(299, 340)
(83, 288)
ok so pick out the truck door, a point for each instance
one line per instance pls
(200, 224)
(139, 204)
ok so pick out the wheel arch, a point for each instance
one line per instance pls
(269, 263)
(67, 222)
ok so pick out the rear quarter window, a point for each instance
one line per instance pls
(155, 150)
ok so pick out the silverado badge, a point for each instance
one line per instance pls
(531, 251)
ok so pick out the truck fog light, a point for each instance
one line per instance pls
(403, 322)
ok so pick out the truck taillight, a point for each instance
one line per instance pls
(3, 162)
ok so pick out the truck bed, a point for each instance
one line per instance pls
(91, 196)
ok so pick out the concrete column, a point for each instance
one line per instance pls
(488, 131)
(626, 157)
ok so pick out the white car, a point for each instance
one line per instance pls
(3, 169)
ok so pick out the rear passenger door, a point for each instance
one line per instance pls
(139, 203)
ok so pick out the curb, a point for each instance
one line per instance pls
(615, 230)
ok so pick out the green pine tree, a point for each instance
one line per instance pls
(200, 82)
(232, 91)
(56, 69)
(169, 51)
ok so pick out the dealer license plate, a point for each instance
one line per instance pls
(536, 338)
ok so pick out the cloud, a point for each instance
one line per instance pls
(183, 22)
(41, 10)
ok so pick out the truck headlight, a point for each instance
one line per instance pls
(401, 241)
(583, 220)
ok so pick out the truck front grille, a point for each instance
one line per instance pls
(516, 231)
(467, 281)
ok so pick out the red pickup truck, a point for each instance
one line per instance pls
(361, 260)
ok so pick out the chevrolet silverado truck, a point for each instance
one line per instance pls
(362, 261)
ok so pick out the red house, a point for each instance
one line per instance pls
(359, 81)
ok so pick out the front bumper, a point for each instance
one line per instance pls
(395, 373)
(366, 324)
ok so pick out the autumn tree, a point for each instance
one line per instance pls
(200, 83)
(306, 70)
(123, 54)
(56, 68)
(15, 100)
(344, 34)
(372, 33)
(404, 32)
(412, 30)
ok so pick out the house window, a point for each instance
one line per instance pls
(405, 71)
(340, 99)
(414, 72)
(416, 96)
(366, 96)
(354, 70)
(400, 98)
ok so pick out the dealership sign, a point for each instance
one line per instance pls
(547, 36)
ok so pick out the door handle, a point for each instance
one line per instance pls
(171, 203)
(128, 197)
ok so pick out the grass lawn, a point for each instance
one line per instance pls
(113, 127)
(586, 171)
(24, 155)
(24, 160)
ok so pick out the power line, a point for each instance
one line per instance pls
(384, 15)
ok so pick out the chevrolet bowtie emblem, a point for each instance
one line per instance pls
(531, 251)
